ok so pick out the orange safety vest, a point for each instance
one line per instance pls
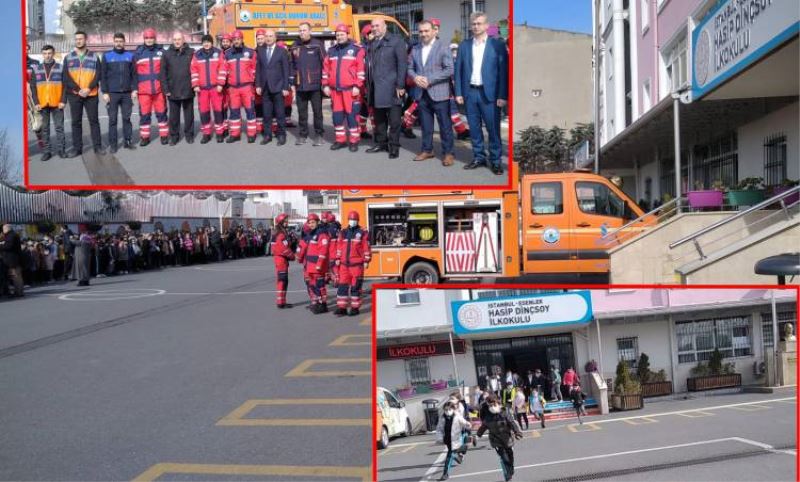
(83, 72)
(49, 88)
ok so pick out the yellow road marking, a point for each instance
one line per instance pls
(237, 417)
(157, 470)
(396, 450)
(696, 414)
(750, 408)
(345, 340)
(640, 421)
(366, 322)
(535, 434)
(574, 427)
(303, 369)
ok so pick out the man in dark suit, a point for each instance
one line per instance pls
(430, 65)
(272, 84)
(387, 66)
(481, 81)
(176, 80)
(11, 250)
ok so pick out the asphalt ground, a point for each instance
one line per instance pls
(727, 437)
(189, 373)
(244, 164)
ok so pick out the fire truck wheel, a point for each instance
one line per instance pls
(421, 273)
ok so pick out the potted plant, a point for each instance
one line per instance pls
(591, 366)
(406, 392)
(784, 186)
(713, 375)
(706, 198)
(749, 192)
(627, 393)
(438, 384)
(653, 384)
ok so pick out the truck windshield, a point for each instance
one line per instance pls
(597, 198)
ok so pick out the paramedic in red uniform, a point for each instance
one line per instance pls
(282, 254)
(241, 68)
(313, 255)
(352, 256)
(332, 227)
(208, 79)
(343, 78)
(148, 70)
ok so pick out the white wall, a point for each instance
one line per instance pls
(751, 142)
(392, 373)
(433, 310)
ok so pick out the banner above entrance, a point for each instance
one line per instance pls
(521, 312)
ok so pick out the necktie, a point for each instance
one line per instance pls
(269, 53)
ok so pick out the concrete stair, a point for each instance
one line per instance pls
(554, 411)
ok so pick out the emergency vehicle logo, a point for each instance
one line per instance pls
(551, 236)
(350, 52)
(244, 16)
(358, 236)
(247, 55)
(160, 53)
(469, 316)
(216, 55)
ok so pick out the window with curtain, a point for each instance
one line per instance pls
(696, 340)
(628, 350)
(418, 371)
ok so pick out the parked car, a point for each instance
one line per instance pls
(393, 419)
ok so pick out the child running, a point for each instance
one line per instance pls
(449, 431)
(502, 432)
(578, 398)
(537, 404)
(521, 409)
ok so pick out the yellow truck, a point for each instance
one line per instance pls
(285, 16)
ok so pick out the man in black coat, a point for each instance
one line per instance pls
(11, 251)
(176, 81)
(386, 79)
(308, 59)
(272, 84)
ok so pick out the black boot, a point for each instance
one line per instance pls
(206, 139)
(353, 312)
(144, 141)
(220, 138)
(354, 147)
(366, 135)
(340, 312)
(324, 308)
(232, 139)
(251, 139)
(164, 141)
(46, 156)
(338, 145)
(128, 144)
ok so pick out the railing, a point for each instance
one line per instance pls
(780, 199)
(632, 228)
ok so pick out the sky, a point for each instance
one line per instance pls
(11, 85)
(570, 15)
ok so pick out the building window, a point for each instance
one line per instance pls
(647, 99)
(784, 317)
(774, 160)
(676, 66)
(418, 372)
(466, 11)
(407, 297)
(717, 161)
(628, 350)
(645, 9)
(698, 339)
(547, 198)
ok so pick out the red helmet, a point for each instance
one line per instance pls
(436, 22)
(149, 33)
(237, 34)
(328, 217)
(342, 28)
(260, 31)
(366, 30)
(281, 218)
(353, 216)
(226, 36)
(312, 217)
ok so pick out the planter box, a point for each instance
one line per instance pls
(424, 389)
(656, 389)
(745, 198)
(788, 200)
(439, 385)
(627, 402)
(696, 384)
(705, 199)
(406, 392)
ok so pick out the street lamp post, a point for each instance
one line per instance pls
(677, 97)
(205, 16)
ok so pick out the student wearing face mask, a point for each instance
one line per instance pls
(449, 432)
(502, 431)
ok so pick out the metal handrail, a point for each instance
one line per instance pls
(722, 222)
(662, 208)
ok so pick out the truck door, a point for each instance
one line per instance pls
(547, 238)
(599, 209)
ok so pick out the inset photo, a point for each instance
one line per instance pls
(494, 383)
(268, 93)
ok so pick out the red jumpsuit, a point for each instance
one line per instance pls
(344, 69)
(352, 251)
(313, 255)
(282, 254)
(241, 76)
(209, 71)
(151, 98)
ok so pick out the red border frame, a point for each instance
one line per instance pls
(461, 286)
(231, 187)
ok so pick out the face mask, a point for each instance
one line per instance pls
(353, 223)
(494, 409)
(449, 413)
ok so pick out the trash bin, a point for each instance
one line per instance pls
(431, 414)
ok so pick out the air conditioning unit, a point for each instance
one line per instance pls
(759, 368)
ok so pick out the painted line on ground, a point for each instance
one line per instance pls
(765, 446)
(366, 322)
(696, 414)
(435, 467)
(751, 408)
(329, 471)
(303, 369)
(641, 421)
(237, 418)
(345, 340)
(616, 454)
(576, 427)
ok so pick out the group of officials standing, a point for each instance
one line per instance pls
(328, 253)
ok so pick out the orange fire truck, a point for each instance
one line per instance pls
(554, 223)
(285, 16)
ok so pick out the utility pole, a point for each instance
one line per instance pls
(596, 18)
(205, 16)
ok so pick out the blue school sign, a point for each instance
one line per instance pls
(734, 35)
(521, 312)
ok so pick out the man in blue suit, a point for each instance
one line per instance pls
(481, 81)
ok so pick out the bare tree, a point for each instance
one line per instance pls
(10, 164)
